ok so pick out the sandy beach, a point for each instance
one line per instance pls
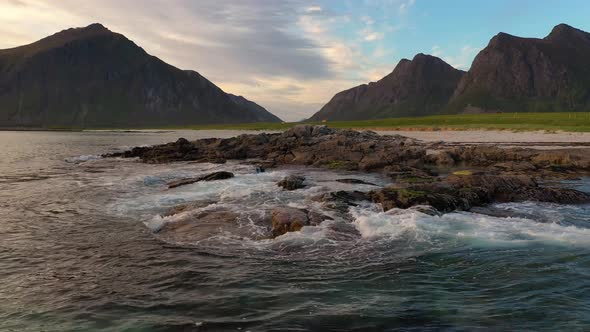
(535, 139)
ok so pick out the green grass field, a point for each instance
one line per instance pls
(574, 122)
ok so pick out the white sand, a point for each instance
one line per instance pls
(494, 136)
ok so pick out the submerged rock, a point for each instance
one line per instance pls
(209, 177)
(292, 182)
(287, 219)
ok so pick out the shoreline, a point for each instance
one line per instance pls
(434, 177)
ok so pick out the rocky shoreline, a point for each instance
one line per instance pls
(434, 177)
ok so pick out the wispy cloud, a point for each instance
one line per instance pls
(286, 54)
(405, 6)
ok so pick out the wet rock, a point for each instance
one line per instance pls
(187, 207)
(204, 225)
(292, 182)
(341, 201)
(209, 177)
(511, 166)
(404, 198)
(442, 158)
(316, 218)
(321, 130)
(286, 219)
(355, 181)
(458, 192)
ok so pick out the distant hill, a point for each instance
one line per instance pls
(512, 74)
(529, 74)
(421, 86)
(92, 77)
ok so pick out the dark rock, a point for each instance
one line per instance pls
(341, 201)
(209, 177)
(285, 220)
(292, 182)
(464, 192)
(355, 181)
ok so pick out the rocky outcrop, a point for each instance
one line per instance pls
(92, 77)
(302, 145)
(445, 177)
(512, 74)
(292, 182)
(462, 192)
(396, 156)
(222, 175)
(420, 86)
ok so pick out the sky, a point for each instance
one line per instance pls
(292, 56)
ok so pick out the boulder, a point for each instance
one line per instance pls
(193, 227)
(341, 201)
(288, 219)
(209, 177)
(292, 182)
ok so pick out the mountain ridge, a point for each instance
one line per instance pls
(414, 86)
(93, 77)
(511, 74)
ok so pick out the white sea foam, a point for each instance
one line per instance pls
(249, 193)
(82, 158)
(468, 228)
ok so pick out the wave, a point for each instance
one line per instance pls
(249, 194)
(466, 228)
(83, 158)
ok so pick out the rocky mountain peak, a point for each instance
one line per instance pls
(516, 74)
(93, 77)
(563, 33)
(415, 87)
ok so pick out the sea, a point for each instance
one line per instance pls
(82, 248)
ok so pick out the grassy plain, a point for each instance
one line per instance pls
(572, 122)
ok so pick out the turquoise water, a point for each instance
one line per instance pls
(80, 251)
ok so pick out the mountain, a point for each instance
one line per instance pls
(528, 74)
(421, 86)
(92, 77)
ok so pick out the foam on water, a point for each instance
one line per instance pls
(250, 193)
(82, 158)
(466, 228)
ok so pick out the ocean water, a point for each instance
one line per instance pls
(85, 246)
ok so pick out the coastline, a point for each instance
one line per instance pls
(445, 177)
(505, 122)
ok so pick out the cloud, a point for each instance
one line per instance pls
(405, 6)
(368, 33)
(286, 54)
(313, 9)
(367, 20)
(372, 35)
